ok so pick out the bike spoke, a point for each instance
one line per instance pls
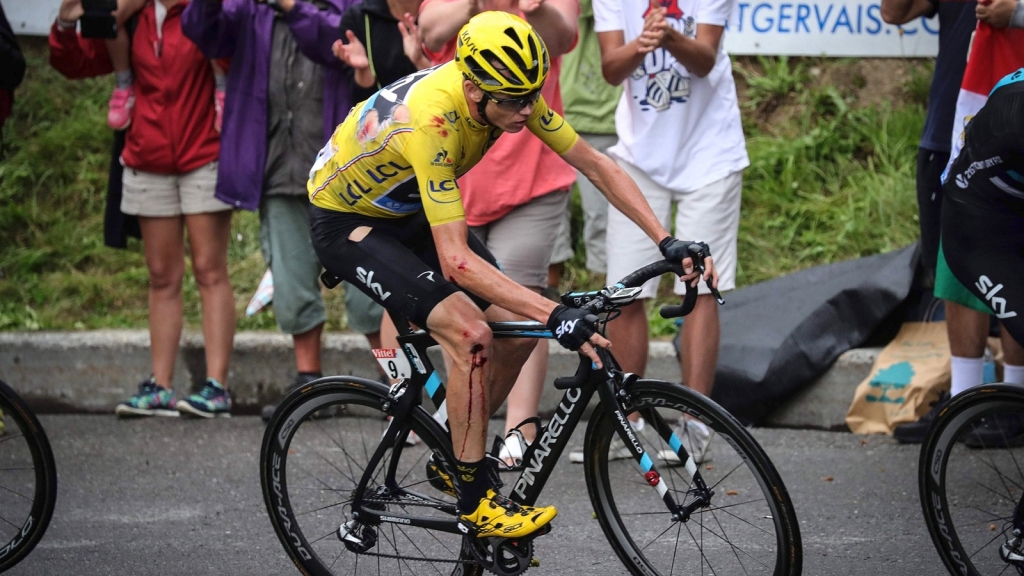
(729, 542)
(1001, 534)
(323, 508)
(733, 546)
(703, 558)
(2, 487)
(657, 537)
(418, 549)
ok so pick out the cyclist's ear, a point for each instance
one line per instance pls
(473, 91)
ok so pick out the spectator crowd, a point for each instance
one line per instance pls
(222, 105)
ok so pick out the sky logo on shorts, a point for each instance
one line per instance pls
(367, 278)
(998, 304)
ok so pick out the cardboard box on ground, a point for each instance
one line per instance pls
(907, 378)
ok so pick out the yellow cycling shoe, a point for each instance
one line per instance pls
(497, 516)
(438, 476)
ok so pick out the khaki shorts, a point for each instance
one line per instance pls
(521, 240)
(158, 195)
(710, 214)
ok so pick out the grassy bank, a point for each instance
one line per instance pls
(831, 142)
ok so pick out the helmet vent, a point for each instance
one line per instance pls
(515, 37)
(517, 61)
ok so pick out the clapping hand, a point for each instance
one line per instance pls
(655, 29)
(996, 13)
(529, 6)
(412, 43)
(353, 53)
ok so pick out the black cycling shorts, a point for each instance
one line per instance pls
(984, 247)
(396, 264)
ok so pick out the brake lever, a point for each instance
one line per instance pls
(714, 291)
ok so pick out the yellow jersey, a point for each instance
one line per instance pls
(403, 149)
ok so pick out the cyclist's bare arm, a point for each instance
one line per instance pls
(461, 266)
(622, 192)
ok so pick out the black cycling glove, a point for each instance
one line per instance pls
(676, 250)
(572, 327)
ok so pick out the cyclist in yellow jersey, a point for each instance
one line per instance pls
(387, 217)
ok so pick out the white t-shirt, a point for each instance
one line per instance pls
(681, 130)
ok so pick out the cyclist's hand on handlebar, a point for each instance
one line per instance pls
(695, 257)
(576, 329)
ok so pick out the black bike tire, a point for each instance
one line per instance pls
(935, 456)
(281, 515)
(789, 561)
(45, 497)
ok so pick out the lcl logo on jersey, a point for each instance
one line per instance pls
(547, 122)
(997, 303)
(443, 191)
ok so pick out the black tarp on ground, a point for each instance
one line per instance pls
(780, 335)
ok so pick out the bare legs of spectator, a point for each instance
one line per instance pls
(968, 334)
(307, 350)
(164, 247)
(699, 355)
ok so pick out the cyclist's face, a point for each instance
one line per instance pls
(510, 112)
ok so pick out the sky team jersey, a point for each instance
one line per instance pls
(402, 150)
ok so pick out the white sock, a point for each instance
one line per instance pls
(1013, 374)
(639, 424)
(966, 373)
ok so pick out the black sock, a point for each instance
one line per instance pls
(473, 482)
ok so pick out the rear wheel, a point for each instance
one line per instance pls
(749, 526)
(311, 465)
(28, 479)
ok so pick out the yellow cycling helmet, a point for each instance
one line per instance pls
(500, 52)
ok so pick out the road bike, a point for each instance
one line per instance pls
(971, 481)
(28, 479)
(367, 493)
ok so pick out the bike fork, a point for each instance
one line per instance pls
(699, 490)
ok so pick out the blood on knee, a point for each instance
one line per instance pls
(359, 233)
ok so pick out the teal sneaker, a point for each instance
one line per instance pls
(151, 400)
(212, 400)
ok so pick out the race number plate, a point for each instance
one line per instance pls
(394, 362)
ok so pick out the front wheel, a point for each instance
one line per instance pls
(747, 527)
(971, 478)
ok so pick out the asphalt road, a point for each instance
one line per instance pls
(170, 496)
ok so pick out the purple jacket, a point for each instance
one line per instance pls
(241, 30)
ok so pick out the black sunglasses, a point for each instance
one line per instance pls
(515, 104)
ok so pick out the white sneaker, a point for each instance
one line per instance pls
(695, 437)
(617, 450)
(512, 449)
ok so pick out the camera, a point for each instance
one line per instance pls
(98, 20)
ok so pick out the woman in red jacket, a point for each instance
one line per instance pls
(170, 160)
